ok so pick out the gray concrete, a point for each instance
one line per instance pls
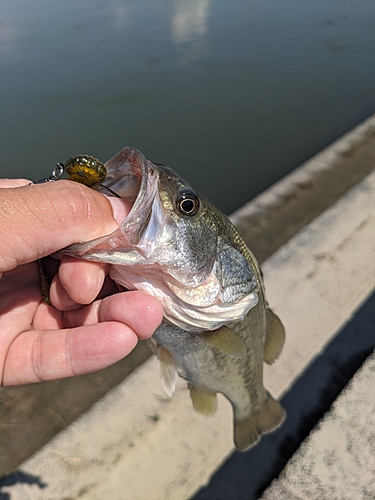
(337, 461)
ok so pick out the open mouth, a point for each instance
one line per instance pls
(134, 179)
(127, 175)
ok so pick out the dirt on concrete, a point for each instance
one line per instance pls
(31, 415)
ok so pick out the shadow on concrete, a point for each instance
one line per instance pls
(246, 475)
(31, 415)
(19, 477)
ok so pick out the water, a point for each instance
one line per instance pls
(231, 93)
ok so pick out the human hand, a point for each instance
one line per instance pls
(82, 332)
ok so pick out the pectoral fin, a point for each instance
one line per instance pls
(168, 369)
(204, 402)
(226, 341)
(275, 338)
(247, 431)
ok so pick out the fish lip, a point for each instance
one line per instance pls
(123, 168)
(129, 162)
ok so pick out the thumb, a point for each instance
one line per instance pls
(39, 219)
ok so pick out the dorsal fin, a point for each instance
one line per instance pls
(225, 340)
(204, 402)
(275, 337)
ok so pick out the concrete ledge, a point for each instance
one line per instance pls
(319, 163)
(136, 443)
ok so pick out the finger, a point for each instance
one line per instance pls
(40, 355)
(11, 183)
(19, 300)
(140, 311)
(47, 317)
(47, 217)
(59, 297)
(78, 282)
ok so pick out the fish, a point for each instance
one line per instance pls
(217, 328)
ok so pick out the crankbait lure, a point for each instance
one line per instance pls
(84, 169)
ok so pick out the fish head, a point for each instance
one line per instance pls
(173, 244)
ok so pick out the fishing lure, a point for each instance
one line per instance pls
(86, 170)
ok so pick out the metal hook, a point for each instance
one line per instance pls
(55, 174)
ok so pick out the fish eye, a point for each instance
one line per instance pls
(187, 203)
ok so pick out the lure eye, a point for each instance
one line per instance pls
(187, 203)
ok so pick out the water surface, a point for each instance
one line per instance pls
(232, 94)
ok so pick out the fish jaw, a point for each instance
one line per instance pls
(190, 318)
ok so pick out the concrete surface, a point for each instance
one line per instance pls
(337, 461)
(137, 444)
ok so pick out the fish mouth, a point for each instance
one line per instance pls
(135, 179)
(127, 176)
(132, 177)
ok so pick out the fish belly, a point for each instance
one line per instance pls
(240, 380)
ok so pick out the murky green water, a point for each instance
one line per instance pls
(231, 93)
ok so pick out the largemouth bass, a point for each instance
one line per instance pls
(217, 328)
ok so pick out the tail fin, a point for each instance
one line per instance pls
(247, 431)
